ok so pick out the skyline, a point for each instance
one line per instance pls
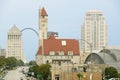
(63, 17)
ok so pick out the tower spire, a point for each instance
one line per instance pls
(43, 12)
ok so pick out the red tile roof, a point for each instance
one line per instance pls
(52, 44)
(43, 12)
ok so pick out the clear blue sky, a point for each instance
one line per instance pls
(64, 17)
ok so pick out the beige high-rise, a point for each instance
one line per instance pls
(14, 44)
(94, 31)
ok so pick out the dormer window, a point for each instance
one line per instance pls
(61, 53)
(51, 53)
(63, 43)
(70, 52)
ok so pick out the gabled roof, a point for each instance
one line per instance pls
(43, 12)
(52, 44)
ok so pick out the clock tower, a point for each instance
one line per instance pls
(43, 25)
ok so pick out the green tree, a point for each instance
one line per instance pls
(111, 72)
(40, 71)
(79, 75)
(32, 63)
(33, 69)
(2, 63)
(44, 70)
(118, 75)
(11, 62)
(20, 63)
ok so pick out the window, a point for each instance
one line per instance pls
(61, 53)
(63, 43)
(51, 53)
(70, 52)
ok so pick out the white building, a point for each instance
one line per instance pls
(14, 44)
(94, 31)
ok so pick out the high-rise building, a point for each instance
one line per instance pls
(94, 31)
(14, 44)
(43, 25)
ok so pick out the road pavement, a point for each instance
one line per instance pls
(15, 75)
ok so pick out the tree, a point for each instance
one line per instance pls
(20, 63)
(33, 69)
(111, 72)
(44, 69)
(32, 63)
(2, 63)
(79, 75)
(11, 62)
(40, 71)
(118, 75)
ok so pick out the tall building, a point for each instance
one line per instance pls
(94, 31)
(14, 44)
(43, 25)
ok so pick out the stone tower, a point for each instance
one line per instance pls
(43, 25)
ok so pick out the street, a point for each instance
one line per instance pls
(15, 75)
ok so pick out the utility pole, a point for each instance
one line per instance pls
(104, 62)
(42, 47)
(91, 61)
(72, 71)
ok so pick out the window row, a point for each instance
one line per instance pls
(14, 37)
(61, 53)
(59, 57)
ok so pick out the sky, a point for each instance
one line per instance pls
(64, 17)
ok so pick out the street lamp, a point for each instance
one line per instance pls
(68, 68)
(72, 71)
(90, 44)
(104, 63)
